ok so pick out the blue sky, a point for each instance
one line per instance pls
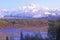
(13, 4)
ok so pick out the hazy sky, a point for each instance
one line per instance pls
(13, 4)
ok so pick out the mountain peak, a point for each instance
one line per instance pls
(32, 10)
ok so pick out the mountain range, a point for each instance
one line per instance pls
(30, 11)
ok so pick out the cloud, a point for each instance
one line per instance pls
(5, 10)
(1, 15)
(47, 13)
(54, 14)
(34, 10)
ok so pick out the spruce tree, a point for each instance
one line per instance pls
(7, 38)
(58, 34)
(21, 35)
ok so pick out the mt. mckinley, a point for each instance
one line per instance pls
(30, 11)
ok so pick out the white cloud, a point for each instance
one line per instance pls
(54, 14)
(1, 15)
(34, 10)
(46, 8)
(24, 7)
(47, 13)
(5, 10)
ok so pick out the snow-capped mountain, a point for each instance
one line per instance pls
(30, 11)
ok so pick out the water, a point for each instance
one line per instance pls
(11, 32)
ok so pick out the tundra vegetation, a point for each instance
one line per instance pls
(53, 27)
